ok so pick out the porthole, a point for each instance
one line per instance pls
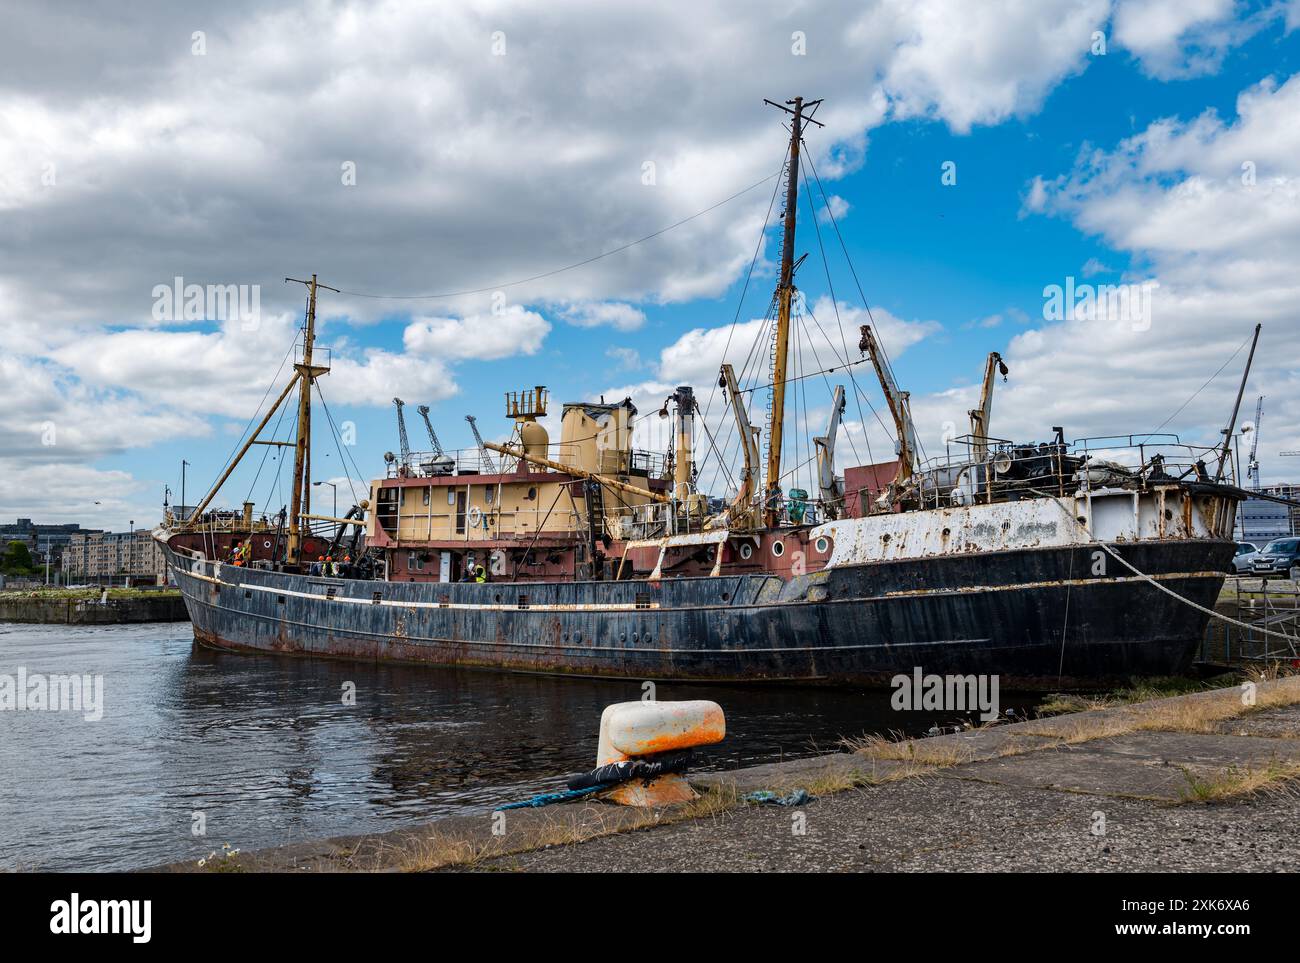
(823, 545)
(778, 549)
(746, 551)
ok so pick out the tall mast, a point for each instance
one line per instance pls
(784, 294)
(300, 500)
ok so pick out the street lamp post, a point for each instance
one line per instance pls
(336, 501)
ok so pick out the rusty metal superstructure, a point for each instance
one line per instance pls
(1044, 563)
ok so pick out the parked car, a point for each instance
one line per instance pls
(1280, 558)
(1242, 561)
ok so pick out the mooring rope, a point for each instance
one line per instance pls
(1148, 578)
(546, 798)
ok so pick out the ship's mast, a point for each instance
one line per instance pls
(784, 295)
(300, 500)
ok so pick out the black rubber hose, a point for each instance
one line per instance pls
(617, 772)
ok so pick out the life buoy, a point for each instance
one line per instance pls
(475, 516)
(266, 543)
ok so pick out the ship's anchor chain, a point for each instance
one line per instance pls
(1155, 582)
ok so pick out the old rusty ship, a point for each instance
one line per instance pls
(1045, 563)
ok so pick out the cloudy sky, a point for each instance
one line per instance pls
(974, 154)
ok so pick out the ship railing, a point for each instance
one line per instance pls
(225, 520)
(474, 461)
(1008, 470)
(322, 356)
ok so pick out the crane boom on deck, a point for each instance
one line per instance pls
(980, 417)
(742, 509)
(832, 494)
(488, 463)
(899, 405)
(433, 437)
(402, 438)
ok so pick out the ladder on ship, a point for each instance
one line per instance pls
(597, 538)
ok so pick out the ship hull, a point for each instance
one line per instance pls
(1033, 617)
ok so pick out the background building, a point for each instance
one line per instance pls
(105, 556)
(1259, 520)
(43, 541)
(1292, 492)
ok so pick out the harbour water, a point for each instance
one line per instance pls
(263, 750)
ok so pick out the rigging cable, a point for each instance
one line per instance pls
(559, 270)
(758, 246)
(857, 392)
(1200, 389)
(338, 443)
(854, 271)
(265, 395)
(262, 464)
(1094, 540)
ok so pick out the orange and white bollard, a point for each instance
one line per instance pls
(643, 730)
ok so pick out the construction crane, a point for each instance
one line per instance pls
(488, 463)
(401, 435)
(1252, 463)
(433, 438)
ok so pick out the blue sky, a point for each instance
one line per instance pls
(962, 267)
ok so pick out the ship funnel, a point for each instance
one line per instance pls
(684, 397)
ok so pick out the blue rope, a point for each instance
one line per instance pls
(546, 798)
(799, 797)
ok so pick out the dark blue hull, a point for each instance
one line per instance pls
(1033, 617)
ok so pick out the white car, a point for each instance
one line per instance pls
(1241, 562)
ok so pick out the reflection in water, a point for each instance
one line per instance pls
(266, 750)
